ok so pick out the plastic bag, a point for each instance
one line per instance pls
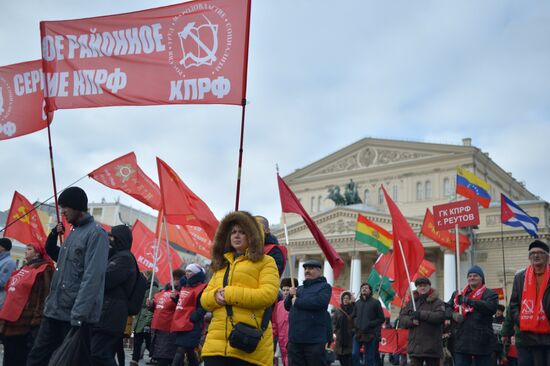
(75, 349)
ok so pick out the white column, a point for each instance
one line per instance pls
(449, 274)
(328, 273)
(301, 271)
(355, 276)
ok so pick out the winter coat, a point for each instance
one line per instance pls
(342, 324)
(475, 335)
(307, 316)
(120, 278)
(7, 266)
(33, 310)
(252, 286)
(145, 315)
(76, 293)
(191, 338)
(368, 318)
(280, 326)
(426, 339)
(527, 338)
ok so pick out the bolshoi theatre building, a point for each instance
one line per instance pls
(418, 176)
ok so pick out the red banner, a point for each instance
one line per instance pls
(143, 248)
(393, 341)
(21, 99)
(460, 213)
(28, 228)
(442, 237)
(426, 269)
(125, 175)
(335, 296)
(194, 52)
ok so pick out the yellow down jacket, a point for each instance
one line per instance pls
(252, 287)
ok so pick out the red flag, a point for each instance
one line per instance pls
(384, 265)
(426, 269)
(143, 248)
(290, 203)
(125, 175)
(190, 237)
(500, 292)
(28, 228)
(335, 296)
(181, 206)
(388, 341)
(21, 99)
(443, 237)
(406, 245)
(194, 53)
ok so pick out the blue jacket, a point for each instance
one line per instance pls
(307, 318)
(7, 266)
(76, 293)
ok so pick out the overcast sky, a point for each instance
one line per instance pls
(322, 75)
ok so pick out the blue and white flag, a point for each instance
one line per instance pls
(513, 215)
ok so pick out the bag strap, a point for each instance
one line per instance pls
(229, 309)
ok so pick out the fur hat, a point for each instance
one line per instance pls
(287, 282)
(222, 240)
(539, 244)
(75, 198)
(422, 281)
(6, 243)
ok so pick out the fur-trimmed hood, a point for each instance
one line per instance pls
(222, 243)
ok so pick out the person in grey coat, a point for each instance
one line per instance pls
(7, 266)
(76, 294)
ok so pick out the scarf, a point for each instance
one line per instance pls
(472, 294)
(532, 317)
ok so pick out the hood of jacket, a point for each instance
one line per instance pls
(222, 242)
(122, 236)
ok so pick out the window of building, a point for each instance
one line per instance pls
(312, 205)
(319, 203)
(419, 191)
(380, 196)
(97, 211)
(428, 190)
(395, 193)
(446, 187)
(366, 195)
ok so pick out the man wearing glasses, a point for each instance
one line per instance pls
(527, 308)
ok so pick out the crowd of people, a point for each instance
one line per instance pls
(241, 312)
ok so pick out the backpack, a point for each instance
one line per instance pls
(135, 298)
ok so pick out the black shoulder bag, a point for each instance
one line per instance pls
(244, 336)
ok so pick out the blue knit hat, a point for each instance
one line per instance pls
(477, 269)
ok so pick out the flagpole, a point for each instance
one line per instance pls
(457, 264)
(60, 237)
(503, 263)
(408, 275)
(39, 204)
(290, 264)
(155, 253)
(168, 252)
(240, 164)
(384, 275)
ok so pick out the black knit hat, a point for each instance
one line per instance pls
(6, 243)
(539, 244)
(75, 198)
(287, 282)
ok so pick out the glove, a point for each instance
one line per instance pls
(146, 329)
(415, 315)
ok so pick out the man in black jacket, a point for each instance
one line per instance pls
(307, 318)
(120, 279)
(368, 319)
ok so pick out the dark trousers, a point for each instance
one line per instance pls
(49, 338)
(224, 361)
(534, 356)
(345, 360)
(306, 354)
(103, 349)
(139, 338)
(429, 361)
(192, 359)
(463, 359)
(16, 349)
(119, 352)
(371, 352)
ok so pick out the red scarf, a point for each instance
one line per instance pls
(164, 310)
(18, 289)
(474, 295)
(187, 303)
(532, 317)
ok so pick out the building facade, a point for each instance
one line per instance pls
(417, 176)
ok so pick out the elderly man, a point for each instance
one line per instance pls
(76, 294)
(425, 339)
(307, 306)
(527, 307)
(473, 310)
(368, 318)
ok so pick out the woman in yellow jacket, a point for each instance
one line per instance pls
(252, 286)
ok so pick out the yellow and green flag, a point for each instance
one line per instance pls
(369, 233)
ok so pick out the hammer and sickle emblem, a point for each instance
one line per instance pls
(529, 306)
(23, 217)
(205, 55)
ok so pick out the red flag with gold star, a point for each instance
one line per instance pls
(23, 223)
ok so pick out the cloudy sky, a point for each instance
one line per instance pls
(322, 75)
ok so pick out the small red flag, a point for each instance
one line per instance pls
(443, 237)
(335, 296)
(143, 248)
(181, 206)
(406, 245)
(426, 269)
(500, 292)
(28, 228)
(22, 99)
(125, 175)
(290, 203)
